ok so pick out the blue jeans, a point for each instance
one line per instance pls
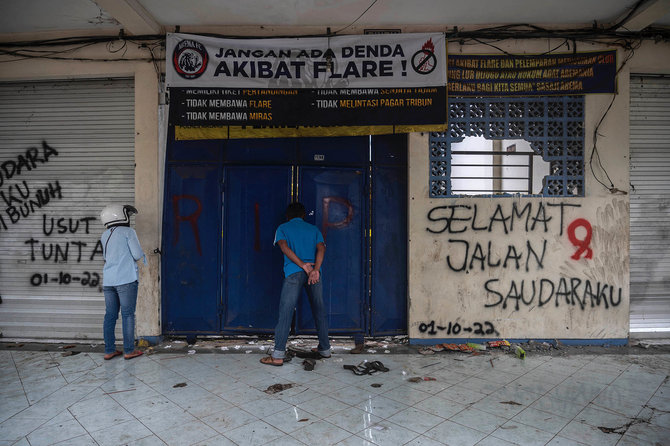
(125, 297)
(290, 292)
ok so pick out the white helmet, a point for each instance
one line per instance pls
(115, 214)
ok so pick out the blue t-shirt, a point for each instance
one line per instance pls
(302, 238)
(121, 249)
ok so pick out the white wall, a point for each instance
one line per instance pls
(440, 295)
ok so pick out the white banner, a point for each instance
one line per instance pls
(361, 61)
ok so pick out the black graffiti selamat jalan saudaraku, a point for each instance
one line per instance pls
(542, 292)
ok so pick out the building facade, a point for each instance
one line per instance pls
(579, 261)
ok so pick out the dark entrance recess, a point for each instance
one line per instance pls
(223, 202)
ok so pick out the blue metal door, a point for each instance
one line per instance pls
(388, 297)
(221, 272)
(336, 203)
(255, 200)
(191, 225)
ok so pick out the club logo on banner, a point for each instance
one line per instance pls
(189, 59)
(344, 81)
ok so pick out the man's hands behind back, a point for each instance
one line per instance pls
(314, 277)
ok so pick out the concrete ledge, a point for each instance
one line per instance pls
(618, 342)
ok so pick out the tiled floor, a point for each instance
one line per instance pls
(218, 399)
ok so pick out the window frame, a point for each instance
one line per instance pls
(553, 125)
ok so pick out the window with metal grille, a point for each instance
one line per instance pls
(510, 146)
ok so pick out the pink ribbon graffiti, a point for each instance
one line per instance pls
(583, 245)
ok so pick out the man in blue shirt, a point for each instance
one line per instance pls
(303, 248)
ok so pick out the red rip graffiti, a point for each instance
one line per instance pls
(583, 244)
(192, 218)
(325, 221)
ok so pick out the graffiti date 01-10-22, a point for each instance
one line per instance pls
(478, 328)
(87, 279)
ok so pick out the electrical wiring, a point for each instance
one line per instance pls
(594, 151)
(628, 45)
(22, 51)
(20, 56)
(521, 55)
(358, 18)
(489, 34)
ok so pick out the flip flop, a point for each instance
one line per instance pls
(109, 356)
(132, 355)
(366, 368)
(269, 360)
(357, 370)
(378, 366)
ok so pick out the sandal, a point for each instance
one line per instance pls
(378, 366)
(366, 368)
(109, 356)
(269, 360)
(356, 369)
(132, 355)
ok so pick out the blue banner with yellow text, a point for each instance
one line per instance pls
(531, 75)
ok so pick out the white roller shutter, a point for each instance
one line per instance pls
(66, 149)
(650, 206)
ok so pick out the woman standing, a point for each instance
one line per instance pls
(121, 251)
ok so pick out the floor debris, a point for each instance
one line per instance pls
(637, 376)
(418, 379)
(308, 364)
(519, 352)
(179, 385)
(511, 403)
(69, 353)
(275, 388)
(119, 391)
(623, 429)
(430, 365)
